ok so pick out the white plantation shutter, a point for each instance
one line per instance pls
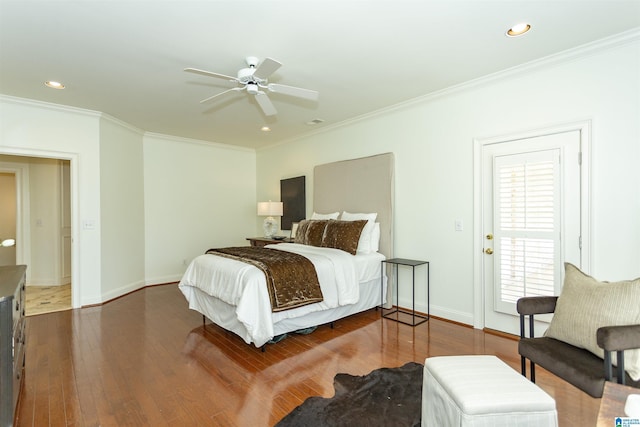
(527, 229)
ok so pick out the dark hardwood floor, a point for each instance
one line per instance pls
(146, 360)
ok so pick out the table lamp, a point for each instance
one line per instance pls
(270, 209)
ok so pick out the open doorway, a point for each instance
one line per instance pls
(42, 223)
(7, 218)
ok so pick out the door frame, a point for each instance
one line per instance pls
(73, 158)
(584, 129)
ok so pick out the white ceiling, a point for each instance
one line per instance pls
(126, 58)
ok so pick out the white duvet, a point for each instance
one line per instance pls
(244, 286)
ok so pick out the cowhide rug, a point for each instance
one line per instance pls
(384, 397)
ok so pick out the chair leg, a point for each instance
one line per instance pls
(533, 371)
(621, 375)
(607, 366)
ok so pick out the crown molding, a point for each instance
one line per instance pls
(181, 139)
(576, 53)
(122, 123)
(49, 106)
(97, 114)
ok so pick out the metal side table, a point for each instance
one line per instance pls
(395, 312)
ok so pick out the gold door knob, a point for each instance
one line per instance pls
(488, 251)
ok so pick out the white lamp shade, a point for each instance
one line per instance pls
(270, 208)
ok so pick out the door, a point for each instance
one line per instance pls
(531, 221)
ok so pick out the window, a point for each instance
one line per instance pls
(527, 231)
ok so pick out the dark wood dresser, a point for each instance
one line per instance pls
(12, 339)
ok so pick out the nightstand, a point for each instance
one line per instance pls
(396, 312)
(262, 241)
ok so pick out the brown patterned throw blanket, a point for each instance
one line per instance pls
(291, 278)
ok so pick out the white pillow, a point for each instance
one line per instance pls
(333, 215)
(365, 244)
(375, 238)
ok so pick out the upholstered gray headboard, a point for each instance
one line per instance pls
(359, 186)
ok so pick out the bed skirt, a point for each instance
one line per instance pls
(224, 315)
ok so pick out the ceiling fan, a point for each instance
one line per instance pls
(253, 80)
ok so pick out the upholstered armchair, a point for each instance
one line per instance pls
(577, 366)
(595, 325)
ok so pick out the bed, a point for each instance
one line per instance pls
(233, 294)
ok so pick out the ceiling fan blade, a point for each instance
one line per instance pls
(267, 67)
(265, 104)
(235, 89)
(210, 74)
(293, 91)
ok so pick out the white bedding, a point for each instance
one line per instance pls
(243, 286)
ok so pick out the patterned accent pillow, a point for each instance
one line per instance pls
(365, 244)
(585, 304)
(301, 233)
(343, 235)
(314, 232)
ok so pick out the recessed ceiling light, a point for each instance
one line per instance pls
(518, 29)
(54, 85)
(265, 129)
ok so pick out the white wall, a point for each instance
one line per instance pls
(122, 208)
(47, 130)
(197, 196)
(143, 205)
(432, 139)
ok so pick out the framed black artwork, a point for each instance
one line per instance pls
(292, 195)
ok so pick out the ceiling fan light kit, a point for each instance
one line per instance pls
(253, 79)
(252, 88)
(252, 61)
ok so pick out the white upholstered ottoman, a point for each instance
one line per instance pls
(476, 391)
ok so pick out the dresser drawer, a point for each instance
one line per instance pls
(18, 336)
(17, 310)
(18, 362)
